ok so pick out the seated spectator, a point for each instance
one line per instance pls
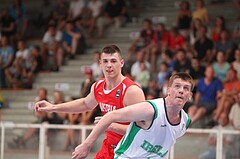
(22, 52)
(236, 34)
(176, 40)
(229, 95)
(182, 63)
(18, 12)
(184, 18)
(194, 34)
(70, 39)
(41, 117)
(196, 71)
(135, 68)
(201, 12)
(219, 25)
(115, 13)
(97, 71)
(34, 63)
(162, 74)
(160, 45)
(236, 63)
(146, 39)
(76, 8)
(14, 75)
(51, 44)
(96, 9)
(203, 47)
(167, 56)
(143, 77)
(221, 66)
(234, 114)
(226, 45)
(6, 59)
(7, 26)
(205, 99)
(228, 140)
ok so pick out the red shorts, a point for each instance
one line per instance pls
(106, 151)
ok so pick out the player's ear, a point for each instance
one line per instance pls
(122, 62)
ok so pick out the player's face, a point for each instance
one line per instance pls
(111, 64)
(179, 92)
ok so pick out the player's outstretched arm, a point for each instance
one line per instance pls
(137, 112)
(76, 106)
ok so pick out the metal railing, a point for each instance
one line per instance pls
(85, 128)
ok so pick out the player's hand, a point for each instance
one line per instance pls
(43, 106)
(97, 119)
(80, 152)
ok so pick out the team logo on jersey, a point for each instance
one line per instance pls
(118, 93)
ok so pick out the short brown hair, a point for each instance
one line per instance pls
(183, 76)
(111, 49)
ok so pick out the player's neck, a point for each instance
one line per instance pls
(113, 82)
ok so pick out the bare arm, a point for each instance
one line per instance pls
(133, 95)
(138, 112)
(77, 106)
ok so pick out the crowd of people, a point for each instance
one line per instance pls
(66, 29)
(210, 53)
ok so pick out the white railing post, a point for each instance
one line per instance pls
(2, 140)
(42, 141)
(219, 145)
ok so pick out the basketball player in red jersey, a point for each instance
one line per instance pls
(112, 92)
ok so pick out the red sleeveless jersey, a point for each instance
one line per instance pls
(110, 100)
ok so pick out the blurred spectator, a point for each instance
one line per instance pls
(219, 25)
(140, 57)
(184, 18)
(14, 75)
(6, 59)
(167, 56)
(76, 9)
(143, 77)
(162, 42)
(73, 119)
(57, 118)
(176, 41)
(201, 12)
(97, 71)
(229, 95)
(18, 12)
(145, 40)
(115, 13)
(41, 117)
(228, 140)
(226, 45)
(70, 39)
(194, 34)
(7, 26)
(22, 52)
(61, 10)
(236, 34)
(88, 81)
(162, 39)
(162, 74)
(236, 63)
(196, 71)
(51, 44)
(203, 47)
(205, 99)
(43, 15)
(182, 63)
(35, 63)
(96, 8)
(221, 66)
(152, 88)
(234, 114)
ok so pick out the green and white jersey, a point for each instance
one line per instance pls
(155, 142)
